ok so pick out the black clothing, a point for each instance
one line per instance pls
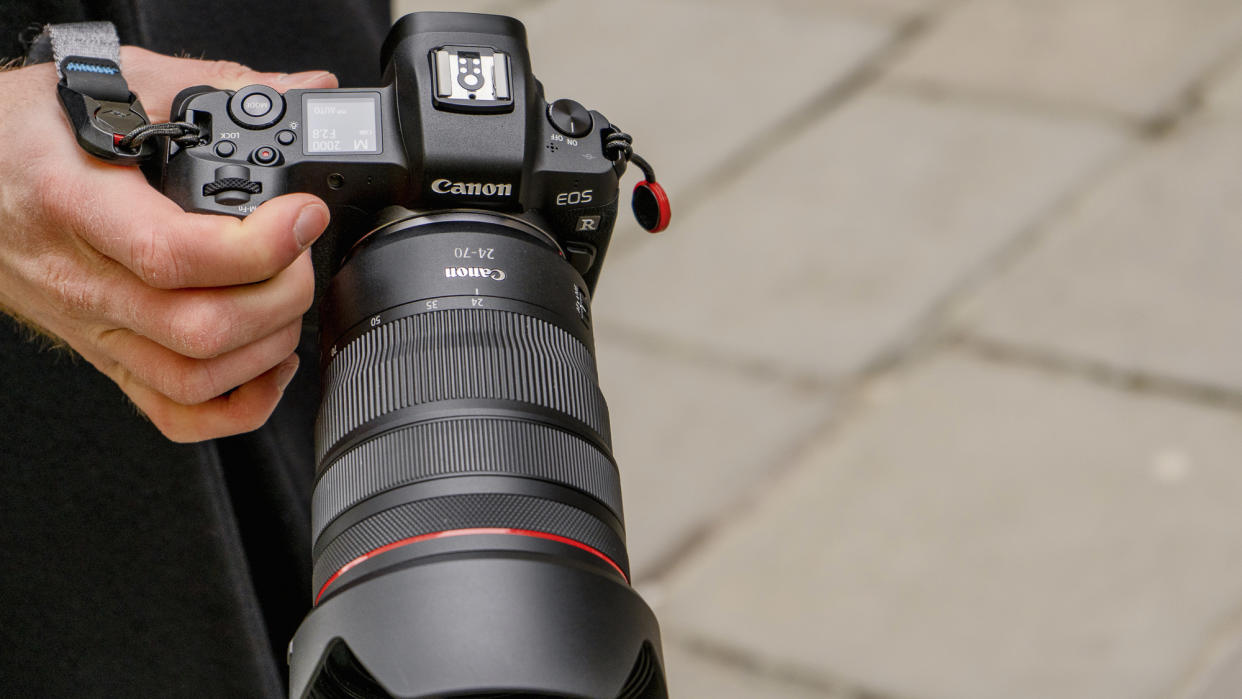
(132, 566)
(281, 35)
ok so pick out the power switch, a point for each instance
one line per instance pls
(570, 118)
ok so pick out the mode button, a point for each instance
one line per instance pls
(257, 104)
(256, 107)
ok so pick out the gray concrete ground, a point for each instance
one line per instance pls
(934, 388)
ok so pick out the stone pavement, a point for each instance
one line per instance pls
(933, 390)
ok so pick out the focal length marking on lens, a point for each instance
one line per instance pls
(444, 303)
(474, 253)
(477, 300)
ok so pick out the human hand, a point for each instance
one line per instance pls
(195, 317)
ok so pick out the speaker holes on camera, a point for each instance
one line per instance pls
(336, 180)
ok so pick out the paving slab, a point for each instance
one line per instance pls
(983, 530)
(1224, 95)
(692, 676)
(1222, 679)
(883, 10)
(691, 440)
(827, 253)
(1132, 57)
(503, 7)
(1143, 275)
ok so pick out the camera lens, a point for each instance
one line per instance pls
(472, 408)
(467, 502)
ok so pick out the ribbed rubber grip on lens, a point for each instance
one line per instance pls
(468, 511)
(458, 354)
(463, 446)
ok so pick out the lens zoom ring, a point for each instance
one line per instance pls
(458, 354)
(465, 446)
(464, 512)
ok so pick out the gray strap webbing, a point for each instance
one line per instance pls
(86, 39)
(87, 56)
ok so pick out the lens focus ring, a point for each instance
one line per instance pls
(463, 446)
(458, 354)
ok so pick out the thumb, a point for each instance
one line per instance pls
(157, 78)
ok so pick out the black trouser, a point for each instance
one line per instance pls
(138, 567)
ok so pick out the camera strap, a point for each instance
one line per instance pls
(107, 118)
(649, 201)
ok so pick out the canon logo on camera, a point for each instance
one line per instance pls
(478, 189)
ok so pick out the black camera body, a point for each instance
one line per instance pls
(466, 520)
(461, 123)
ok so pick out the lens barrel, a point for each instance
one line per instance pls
(467, 527)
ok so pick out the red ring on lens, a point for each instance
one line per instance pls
(466, 532)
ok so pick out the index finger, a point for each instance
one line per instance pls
(158, 78)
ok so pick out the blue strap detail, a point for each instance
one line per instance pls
(88, 68)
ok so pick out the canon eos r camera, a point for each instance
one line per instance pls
(467, 527)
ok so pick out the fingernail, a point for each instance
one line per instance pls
(286, 371)
(311, 221)
(306, 76)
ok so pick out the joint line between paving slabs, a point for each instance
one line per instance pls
(784, 461)
(930, 329)
(708, 356)
(1213, 658)
(798, 121)
(1101, 373)
(784, 673)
